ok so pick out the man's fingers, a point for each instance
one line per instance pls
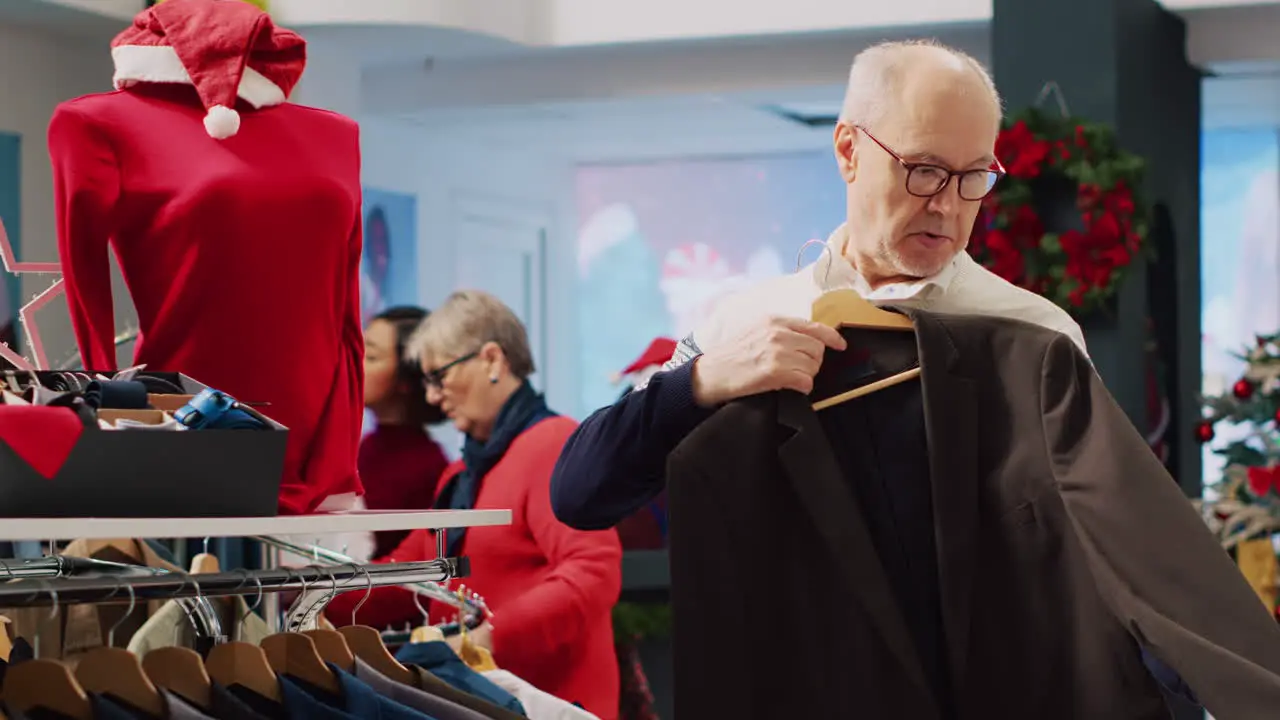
(829, 336)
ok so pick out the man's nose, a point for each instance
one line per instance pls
(433, 394)
(946, 202)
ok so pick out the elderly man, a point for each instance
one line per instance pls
(914, 147)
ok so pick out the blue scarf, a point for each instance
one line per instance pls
(520, 412)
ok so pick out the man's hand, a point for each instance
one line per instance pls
(775, 354)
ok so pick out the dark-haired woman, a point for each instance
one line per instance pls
(400, 465)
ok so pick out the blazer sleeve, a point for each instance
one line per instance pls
(86, 186)
(584, 583)
(1156, 565)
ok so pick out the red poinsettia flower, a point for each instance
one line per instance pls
(1262, 480)
(1021, 152)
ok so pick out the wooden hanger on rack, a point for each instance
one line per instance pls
(204, 563)
(846, 308)
(295, 654)
(367, 645)
(243, 664)
(116, 672)
(333, 648)
(45, 684)
(181, 671)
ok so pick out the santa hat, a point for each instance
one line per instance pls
(651, 360)
(227, 49)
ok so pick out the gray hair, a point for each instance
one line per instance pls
(877, 71)
(466, 321)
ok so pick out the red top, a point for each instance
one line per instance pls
(241, 255)
(551, 588)
(400, 466)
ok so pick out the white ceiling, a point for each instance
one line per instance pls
(679, 98)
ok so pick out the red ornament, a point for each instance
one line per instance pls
(1204, 432)
(1278, 416)
(1243, 389)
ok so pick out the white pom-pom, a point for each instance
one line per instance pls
(221, 122)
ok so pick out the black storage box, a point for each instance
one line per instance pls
(145, 473)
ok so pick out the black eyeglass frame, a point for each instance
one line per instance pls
(435, 378)
(994, 174)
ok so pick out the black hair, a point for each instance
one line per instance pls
(405, 319)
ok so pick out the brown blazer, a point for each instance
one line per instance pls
(1061, 544)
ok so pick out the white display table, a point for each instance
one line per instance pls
(361, 521)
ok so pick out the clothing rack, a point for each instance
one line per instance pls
(37, 592)
(198, 609)
(471, 604)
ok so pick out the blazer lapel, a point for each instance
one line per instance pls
(951, 426)
(818, 483)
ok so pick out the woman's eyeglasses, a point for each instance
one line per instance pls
(435, 378)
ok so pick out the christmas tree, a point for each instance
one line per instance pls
(1252, 408)
(1246, 512)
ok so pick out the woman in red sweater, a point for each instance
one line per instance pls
(551, 588)
(400, 465)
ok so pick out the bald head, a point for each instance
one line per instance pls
(894, 75)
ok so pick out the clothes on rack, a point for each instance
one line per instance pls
(298, 676)
(537, 704)
(441, 661)
(171, 627)
(81, 628)
(1047, 587)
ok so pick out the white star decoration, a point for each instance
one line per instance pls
(39, 359)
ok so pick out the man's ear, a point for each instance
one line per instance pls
(845, 144)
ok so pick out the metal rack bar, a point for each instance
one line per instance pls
(472, 605)
(34, 592)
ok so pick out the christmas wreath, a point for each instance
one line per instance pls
(1066, 222)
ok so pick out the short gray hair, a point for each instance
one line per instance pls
(466, 321)
(877, 71)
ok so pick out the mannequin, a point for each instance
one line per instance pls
(235, 217)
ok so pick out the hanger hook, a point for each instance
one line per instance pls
(53, 593)
(826, 252)
(256, 601)
(355, 611)
(133, 603)
(417, 601)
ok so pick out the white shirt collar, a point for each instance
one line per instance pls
(833, 272)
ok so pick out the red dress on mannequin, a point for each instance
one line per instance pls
(241, 254)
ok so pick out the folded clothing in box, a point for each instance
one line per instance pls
(70, 447)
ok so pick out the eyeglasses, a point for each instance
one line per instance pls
(926, 180)
(435, 378)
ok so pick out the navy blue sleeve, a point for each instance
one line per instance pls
(1169, 678)
(616, 460)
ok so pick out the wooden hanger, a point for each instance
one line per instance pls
(295, 654)
(846, 308)
(45, 684)
(476, 657)
(239, 663)
(204, 563)
(425, 633)
(181, 671)
(6, 644)
(333, 648)
(116, 672)
(367, 645)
